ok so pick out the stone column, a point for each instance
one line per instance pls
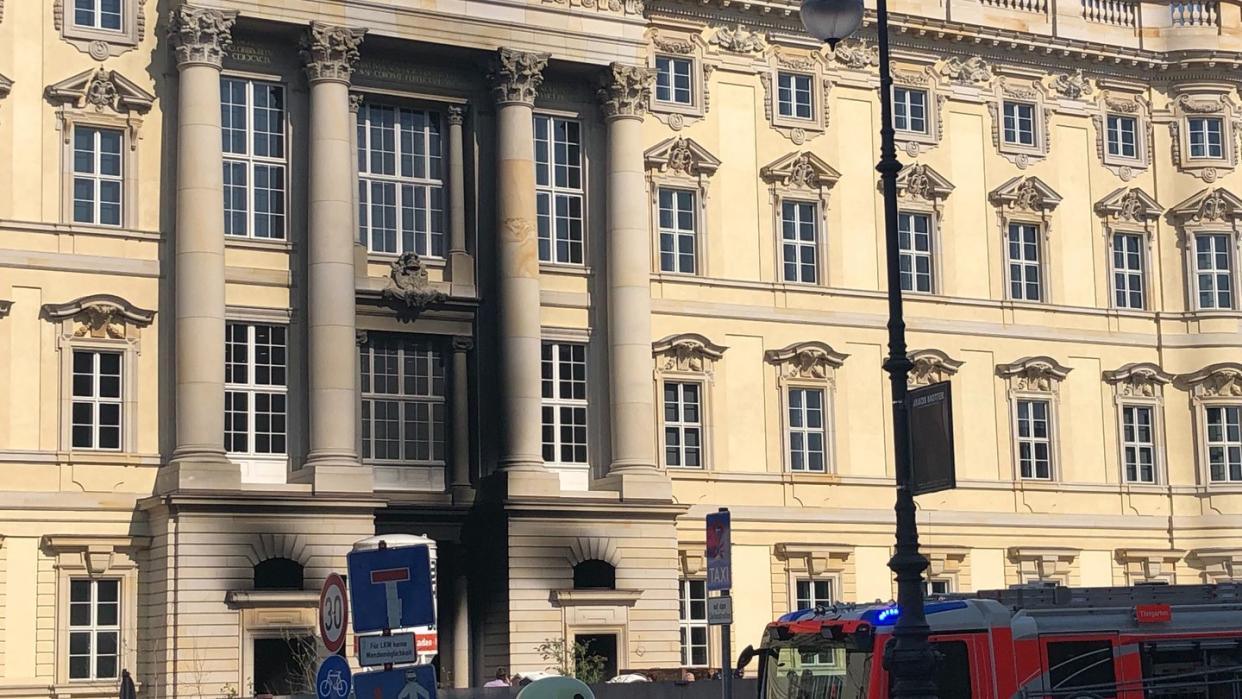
(516, 76)
(461, 629)
(633, 470)
(460, 396)
(332, 463)
(461, 264)
(199, 37)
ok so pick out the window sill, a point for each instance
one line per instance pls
(247, 243)
(567, 270)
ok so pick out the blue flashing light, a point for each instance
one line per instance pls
(888, 616)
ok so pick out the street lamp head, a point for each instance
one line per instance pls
(831, 20)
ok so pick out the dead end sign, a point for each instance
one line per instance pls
(391, 588)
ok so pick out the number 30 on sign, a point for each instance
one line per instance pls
(333, 613)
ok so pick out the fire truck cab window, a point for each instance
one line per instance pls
(952, 672)
(1200, 669)
(1083, 664)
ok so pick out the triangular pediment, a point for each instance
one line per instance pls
(919, 181)
(681, 155)
(1129, 204)
(1029, 193)
(800, 169)
(1209, 205)
(101, 89)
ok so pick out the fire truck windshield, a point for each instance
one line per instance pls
(808, 666)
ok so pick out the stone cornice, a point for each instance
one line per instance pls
(101, 303)
(517, 75)
(200, 35)
(330, 52)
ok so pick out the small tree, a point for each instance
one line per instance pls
(572, 660)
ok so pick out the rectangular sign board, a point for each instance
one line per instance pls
(719, 551)
(380, 650)
(417, 682)
(390, 588)
(930, 418)
(719, 611)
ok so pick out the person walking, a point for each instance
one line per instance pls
(500, 680)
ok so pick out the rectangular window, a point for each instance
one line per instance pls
(255, 378)
(559, 189)
(97, 14)
(1138, 443)
(97, 175)
(1224, 442)
(1085, 664)
(1128, 271)
(813, 593)
(252, 120)
(94, 628)
(694, 643)
(674, 83)
(403, 399)
(564, 403)
(939, 587)
(400, 180)
(914, 236)
(97, 401)
(910, 110)
(1020, 124)
(683, 424)
(1122, 136)
(678, 231)
(1213, 270)
(800, 241)
(1034, 439)
(1024, 267)
(808, 433)
(793, 96)
(1206, 135)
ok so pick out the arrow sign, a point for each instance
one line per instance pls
(418, 682)
(391, 588)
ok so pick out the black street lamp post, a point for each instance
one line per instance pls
(909, 658)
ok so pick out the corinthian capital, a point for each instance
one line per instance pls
(626, 91)
(200, 35)
(516, 75)
(330, 52)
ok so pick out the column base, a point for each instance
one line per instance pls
(461, 271)
(335, 474)
(524, 483)
(638, 484)
(198, 472)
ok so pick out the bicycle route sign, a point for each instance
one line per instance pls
(333, 613)
(333, 679)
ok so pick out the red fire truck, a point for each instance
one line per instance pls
(1167, 641)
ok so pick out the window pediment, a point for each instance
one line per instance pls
(1139, 379)
(918, 181)
(806, 360)
(1025, 194)
(101, 89)
(1221, 380)
(931, 366)
(681, 156)
(99, 316)
(1209, 205)
(1129, 205)
(800, 170)
(1042, 374)
(686, 352)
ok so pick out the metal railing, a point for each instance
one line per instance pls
(1195, 13)
(1116, 13)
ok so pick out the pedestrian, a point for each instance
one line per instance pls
(128, 691)
(500, 680)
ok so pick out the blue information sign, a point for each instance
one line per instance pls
(390, 588)
(719, 552)
(417, 682)
(332, 680)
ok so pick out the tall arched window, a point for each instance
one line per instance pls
(595, 574)
(278, 574)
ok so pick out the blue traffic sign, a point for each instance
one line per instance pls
(332, 680)
(719, 551)
(390, 588)
(417, 682)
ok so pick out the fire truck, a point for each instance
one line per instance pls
(1167, 641)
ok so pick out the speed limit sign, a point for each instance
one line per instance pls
(333, 613)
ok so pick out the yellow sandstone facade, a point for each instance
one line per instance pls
(549, 280)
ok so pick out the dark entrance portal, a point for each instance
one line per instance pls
(605, 646)
(284, 666)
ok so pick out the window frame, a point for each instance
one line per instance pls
(99, 42)
(1207, 120)
(1192, 260)
(1035, 144)
(96, 400)
(127, 125)
(1139, 156)
(826, 429)
(1156, 444)
(1041, 263)
(94, 629)
(1052, 438)
(252, 161)
(682, 425)
(691, 89)
(251, 389)
(675, 43)
(1021, 91)
(687, 622)
(1143, 274)
(927, 122)
(798, 578)
(96, 177)
(554, 192)
(795, 77)
(557, 403)
(1206, 444)
(809, 66)
(695, 233)
(933, 247)
(403, 344)
(819, 220)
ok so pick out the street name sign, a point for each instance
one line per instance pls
(417, 682)
(719, 551)
(719, 611)
(396, 649)
(333, 679)
(333, 613)
(929, 411)
(391, 588)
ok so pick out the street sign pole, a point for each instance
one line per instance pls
(726, 660)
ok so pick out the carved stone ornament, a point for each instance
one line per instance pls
(681, 156)
(1072, 85)
(200, 35)
(858, 54)
(101, 89)
(1131, 205)
(409, 286)
(1044, 564)
(739, 39)
(918, 181)
(1222, 380)
(1191, 105)
(330, 52)
(806, 360)
(1139, 380)
(931, 366)
(686, 352)
(1041, 374)
(629, 7)
(99, 316)
(1209, 205)
(1219, 565)
(6, 86)
(801, 170)
(1025, 194)
(665, 44)
(517, 75)
(5, 307)
(1149, 565)
(796, 61)
(972, 71)
(626, 91)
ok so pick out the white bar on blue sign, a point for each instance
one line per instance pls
(379, 650)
